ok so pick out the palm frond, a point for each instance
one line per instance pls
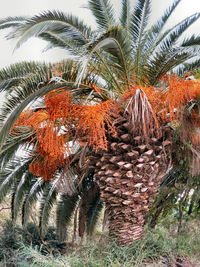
(67, 182)
(12, 75)
(125, 14)
(12, 22)
(61, 41)
(169, 38)
(13, 143)
(139, 19)
(158, 26)
(93, 214)
(89, 196)
(114, 42)
(31, 197)
(103, 12)
(17, 192)
(22, 188)
(22, 96)
(51, 21)
(191, 41)
(9, 174)
(167, 60)
(139, 22)
(46, 204)
(64, 212)
(188, 66)
(152, 35)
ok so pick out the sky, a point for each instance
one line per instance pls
(32, 50)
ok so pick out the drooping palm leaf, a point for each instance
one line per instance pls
(47, 201)
(93, 215)
(22, 188)
(9, 174)
(114, 41)
(31, 197)
(12, 22)
(64, 212)
(14, 141)
(60, 41)
(187, 67)
(55, 22)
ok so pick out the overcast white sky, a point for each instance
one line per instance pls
(32, 50)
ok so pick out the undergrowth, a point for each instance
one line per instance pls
(159, 247)
(13, 238)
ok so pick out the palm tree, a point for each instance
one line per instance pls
(107, 100)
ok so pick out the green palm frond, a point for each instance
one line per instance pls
(152, 36)
(31, 197)
(64, 212)
(159, 51)
(103, 12)
(125, 14)
(191, 41)
(61, 41)
(46, 204)
(166, 61)
(169, 38)
(89, 206)
(93, 214)
(188, 66)
(18, 190)
(158, 26)
(114, 42)
(139, 19)
(22, 188)
(55, 22)
(139, 22)
(14, 141)
(9, 175)
(11, 76)
(12, 22)
(23, 95)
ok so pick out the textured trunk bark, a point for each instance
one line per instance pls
(129, 174)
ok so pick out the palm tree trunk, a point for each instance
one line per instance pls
(129, 174)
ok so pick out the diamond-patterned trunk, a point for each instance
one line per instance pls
(129, 174)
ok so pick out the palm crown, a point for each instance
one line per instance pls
(83, 100)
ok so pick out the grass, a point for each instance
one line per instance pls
(158, 248)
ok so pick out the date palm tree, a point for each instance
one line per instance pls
(111, 100)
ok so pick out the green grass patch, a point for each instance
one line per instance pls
(156, 245)
(159, 247)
